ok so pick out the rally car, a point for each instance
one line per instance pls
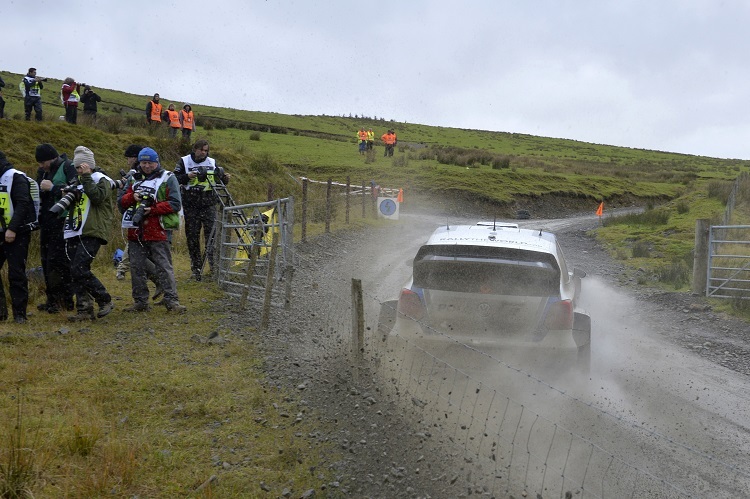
(499, 286)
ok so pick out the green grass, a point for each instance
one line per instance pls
(132, 405)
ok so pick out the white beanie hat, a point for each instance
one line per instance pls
(83, 155)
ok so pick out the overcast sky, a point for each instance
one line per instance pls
(671, 75)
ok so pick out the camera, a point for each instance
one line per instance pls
(41, 79)
(71, 197)
(127, 177)
(146, 201)
(202, 173)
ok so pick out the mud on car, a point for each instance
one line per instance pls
(498, 286)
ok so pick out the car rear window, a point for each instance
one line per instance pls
(478, 269)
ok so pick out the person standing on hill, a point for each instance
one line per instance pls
(362, 138)
(187, 120)
(173, 118)
(70, 97)
(389, 139)
(153, 111)
(370, 139)
(89, 99)
(32, 94)
(18, 220)
(197, 174)
(2, 101)
(86, 230)
(151, 208)
(55, 172)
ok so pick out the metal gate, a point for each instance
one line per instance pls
(728, 262)
(255, 252)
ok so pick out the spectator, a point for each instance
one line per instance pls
(362, 138)
(153, 111)
(173, 118)
(17, 220)
(70, 97)
(90, 99)
(32, 94)
(152, 207)
(87, 228)
(2, 101)
(370, 139)
(55, 171)
(134, 174)
(198, 173)
(187, 121)
(389, 139)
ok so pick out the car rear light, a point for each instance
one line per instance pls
(410, 305)
(559, 315)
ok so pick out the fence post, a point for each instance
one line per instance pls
(328, 205)
(304, 209)
(358, 326)
(269, 284)
(270, 192)
(700, 256)
(348, 191)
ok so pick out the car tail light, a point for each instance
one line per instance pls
(410, 304)
(559, 315)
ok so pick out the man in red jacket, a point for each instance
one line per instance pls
(151, 207)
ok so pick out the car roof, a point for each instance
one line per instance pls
(495, 235)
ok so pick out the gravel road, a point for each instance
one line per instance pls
(669, 375)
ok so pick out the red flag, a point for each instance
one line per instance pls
(600, 210)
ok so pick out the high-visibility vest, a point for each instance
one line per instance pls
(362, 135)
(155, 111)
(389, 138)
(370, 135)
(187, 119)
(174, 119)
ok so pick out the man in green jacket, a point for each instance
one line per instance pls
(87, 226)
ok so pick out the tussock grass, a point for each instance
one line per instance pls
(132, 405)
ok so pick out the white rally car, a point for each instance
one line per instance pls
(496, 285)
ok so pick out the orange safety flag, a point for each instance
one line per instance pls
(400, 197)
(600, 210)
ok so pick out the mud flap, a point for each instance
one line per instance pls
(387, 317)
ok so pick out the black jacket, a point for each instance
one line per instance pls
(49, 198)
(24, 214)
(89, 100)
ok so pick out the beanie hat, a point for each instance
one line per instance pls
(132, 151)
(83, 155)
(45, 152)
(148, 154)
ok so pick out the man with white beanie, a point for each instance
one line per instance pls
(87, 227)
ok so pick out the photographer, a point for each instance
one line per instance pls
(18, 219)
(55, 172)
(89, 100)
(70, 95)
(32, 96)
(2, 101)
(152, 207)
(87, 227)
(197, 173)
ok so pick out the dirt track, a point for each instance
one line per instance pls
(667, 391)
